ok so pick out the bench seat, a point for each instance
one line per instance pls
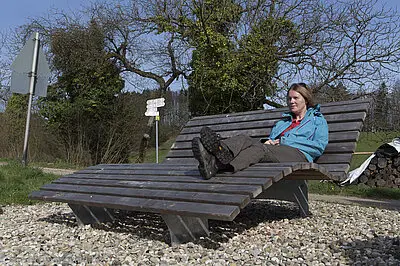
(175, 190)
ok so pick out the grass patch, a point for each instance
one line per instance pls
(16, 182)
(329, 188)
(150, 156)
(369, 142)
(59, 165)
(357, 160)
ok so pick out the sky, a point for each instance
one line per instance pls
(18, 12)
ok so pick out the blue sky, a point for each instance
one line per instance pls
(17, 12)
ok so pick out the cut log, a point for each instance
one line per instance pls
(380, 183)
(371, 183)
(367, 173)
(382, 162)
(396, 161)
(372, 166)
(363, 179)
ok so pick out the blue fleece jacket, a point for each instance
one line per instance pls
(310, 137)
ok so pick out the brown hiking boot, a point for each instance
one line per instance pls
(212, 143)
(207, 162)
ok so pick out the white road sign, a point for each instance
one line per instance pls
(159, 102)
(152, 106)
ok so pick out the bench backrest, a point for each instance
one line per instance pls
(345, 120)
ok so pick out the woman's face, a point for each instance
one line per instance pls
(297, 103)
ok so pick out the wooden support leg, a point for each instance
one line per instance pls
(185, 229)
(301, 196)
(91, 215)
(290, 190)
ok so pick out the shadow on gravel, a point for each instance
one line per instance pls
(255, 213)
(379, 250)
(152, 226)
(67, 219)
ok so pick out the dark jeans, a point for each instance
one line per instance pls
(248, 151)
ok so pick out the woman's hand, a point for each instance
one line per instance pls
(272, 142)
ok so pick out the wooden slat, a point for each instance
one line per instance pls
(261, 133)
(340, 147)
(155, 172)
(326, 109)
(205, 210)
(217, 198)
(332, 167)
(310, 176)
(335, 158)
(183, 161)
(346, 117)
(336, 122)
(250, 173)
(338, 132)
(140, 166)
(264, 115)
(251, 190)
(331, 148)
(219, 179)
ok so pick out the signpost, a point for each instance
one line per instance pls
(30, 74)
(152, 106)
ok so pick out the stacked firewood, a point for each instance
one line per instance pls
(382, 171)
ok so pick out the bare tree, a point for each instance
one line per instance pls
(138, 47)
(4, 73)
(348, 42)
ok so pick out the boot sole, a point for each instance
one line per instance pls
(197, 155)
(213, 145)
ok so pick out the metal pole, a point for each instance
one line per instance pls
(157, 118)
(32, 83)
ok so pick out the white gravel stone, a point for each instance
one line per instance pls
(265, 233)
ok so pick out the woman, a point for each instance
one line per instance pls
(300, 136)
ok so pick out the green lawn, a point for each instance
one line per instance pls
(329, 188)
(150, 156)
(16, 182)
(369, 142)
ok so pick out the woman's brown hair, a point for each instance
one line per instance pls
(304, 90)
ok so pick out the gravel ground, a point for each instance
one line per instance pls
(265, 233)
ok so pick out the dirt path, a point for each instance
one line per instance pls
(379, 203)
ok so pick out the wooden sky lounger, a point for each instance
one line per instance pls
(175, 190)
